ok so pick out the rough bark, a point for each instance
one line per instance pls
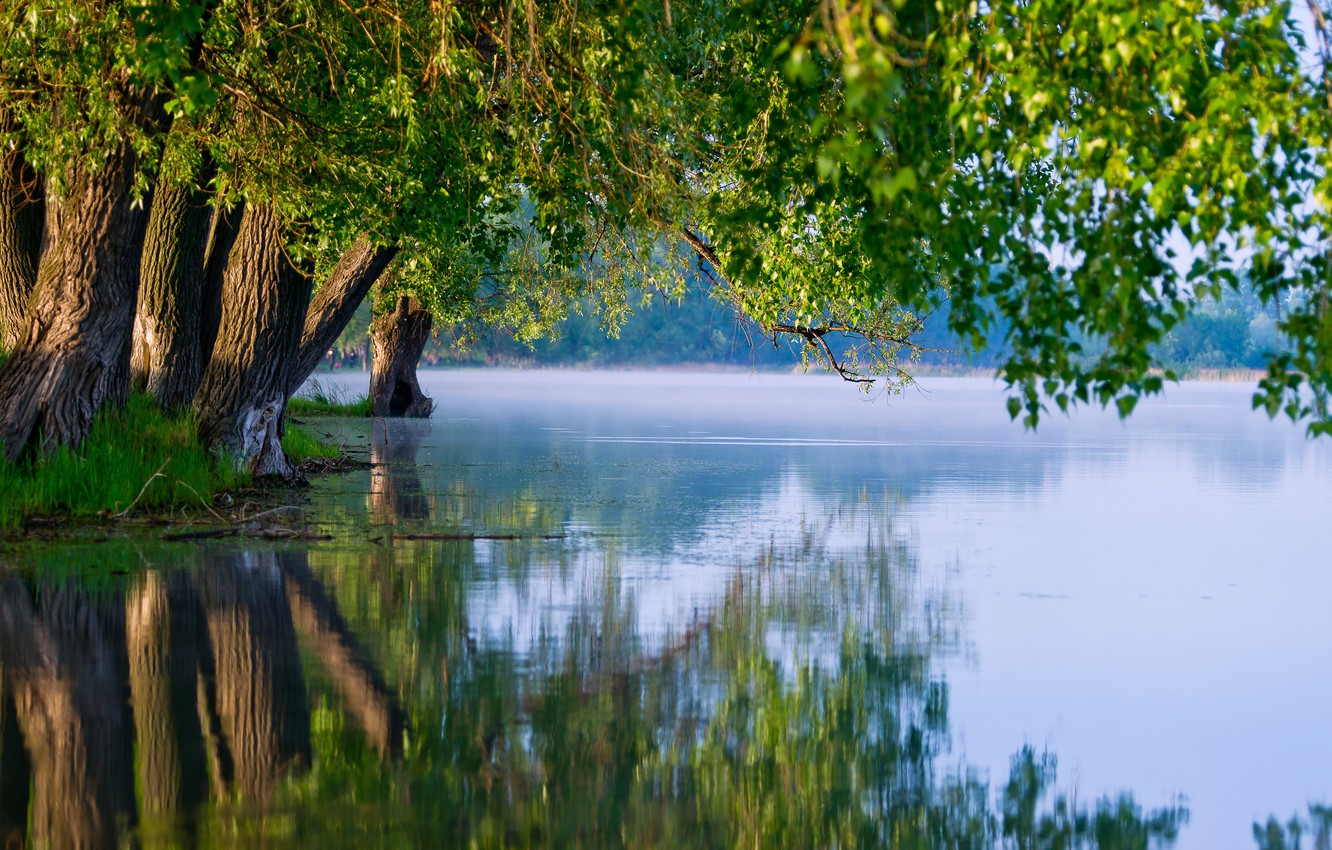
(334, 303)
(21, 217)
(69, 703)
(167, 356)
(395, 483)
(259, 688)
(76, 344)
(397, 339)
(162, 631)
(225, 227)
(243, 395)
(74, 353)
(350, 669)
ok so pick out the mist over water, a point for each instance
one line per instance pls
(1147, 600)
(684, 610)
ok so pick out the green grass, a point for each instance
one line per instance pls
(126, 450)
(318, 400)
(300, 444)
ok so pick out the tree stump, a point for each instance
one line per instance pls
(397, 339)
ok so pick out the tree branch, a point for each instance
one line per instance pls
(813, 335)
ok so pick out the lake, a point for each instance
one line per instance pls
(660, 610)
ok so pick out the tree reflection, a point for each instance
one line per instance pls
(163, 631)
(60, 657)
(117, 706)
(802, 707)
(14, 772)
(1275, 835)
(395, 482)
(258, 687)
(232, 700)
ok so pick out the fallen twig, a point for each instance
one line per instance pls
(280, 509)
(427, 536)
(156, 475)
(203, 501)
(206, 534)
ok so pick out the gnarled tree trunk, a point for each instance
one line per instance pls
(21, 216)
(397, 339)
(244, 391)
(74, 353)
(334, 303)
(167, 356)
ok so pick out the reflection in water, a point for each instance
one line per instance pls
(1275, 835)
(258, 691)
(63, 660)
(531, 692)
(131, 708)
(163, 632)
(176, 709)
(395, 484)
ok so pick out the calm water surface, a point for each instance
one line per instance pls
(582, 609)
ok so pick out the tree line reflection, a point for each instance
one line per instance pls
(339, 697)
(127, 709)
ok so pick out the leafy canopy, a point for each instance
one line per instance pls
(1065, 171)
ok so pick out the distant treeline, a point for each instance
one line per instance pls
(1232, 333)
(699, 330)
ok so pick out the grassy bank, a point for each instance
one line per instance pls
(318, 400)
(137, 453)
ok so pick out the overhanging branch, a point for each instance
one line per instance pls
(814, 336)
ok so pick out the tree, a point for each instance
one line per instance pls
(175, 295)
(1069, 147)
(397, 338)
(832, 168)
(259, 95)
(848, 168)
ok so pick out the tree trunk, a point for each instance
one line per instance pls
(221, 239)
(69, 703)
(168, 351)
(259, 686)
(334, 303)
(21, 216)
(398, 339)
(244, 391)
(347, 665)
(73, 355)
(75, 349)
(162, 634)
